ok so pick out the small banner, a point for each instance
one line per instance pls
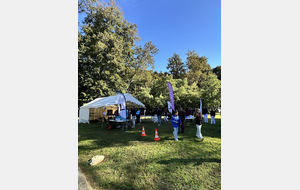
(200, 106)
(169, 106)
(171, 95)
(121, 106)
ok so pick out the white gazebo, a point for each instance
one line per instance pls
(104, 102)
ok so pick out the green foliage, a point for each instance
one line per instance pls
(157, 93)
(108, 59)
(211, 92)
(217, 71)
(198, 68)
(176, 67)
(136, 162)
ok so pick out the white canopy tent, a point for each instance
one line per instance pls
(84, 112)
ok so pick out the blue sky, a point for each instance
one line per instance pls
(177, 26)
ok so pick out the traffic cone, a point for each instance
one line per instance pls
(143, 132)
(156, 136)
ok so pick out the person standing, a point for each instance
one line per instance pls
(127, 117)
(133, 114)
(199, 121)
(166, 115)
(159, 114)
(117, 116)
(187, 112)
(192, 111)
(176, 123)
(182, 118)
(138, 115)
(155, 111)
(205, 114)
(212, 116)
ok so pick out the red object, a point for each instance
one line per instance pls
(156, 136)
(143, 132)
(109, 127)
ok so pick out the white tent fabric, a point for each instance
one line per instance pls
(84, 111)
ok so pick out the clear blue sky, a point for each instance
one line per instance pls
(177, 26)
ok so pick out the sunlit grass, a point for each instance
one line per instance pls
(135, 162)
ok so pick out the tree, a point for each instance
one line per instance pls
(108, 59)
(198, 68)
(143, 59)
(217, 71)
(158, 93)
(211, 92)
(176, 67)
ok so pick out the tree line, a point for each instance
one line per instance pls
(109, 61)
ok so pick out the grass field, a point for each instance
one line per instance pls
(136, 162)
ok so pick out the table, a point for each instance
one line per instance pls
(123, 123)
(190, 119)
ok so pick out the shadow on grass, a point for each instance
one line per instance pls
(187, 161)
(98, 138)
(102, 137)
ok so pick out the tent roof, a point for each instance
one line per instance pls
(111, 100)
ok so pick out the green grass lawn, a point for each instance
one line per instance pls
(136, 162)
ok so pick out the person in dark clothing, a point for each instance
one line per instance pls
(128, 117)
(159, 114)
(117, 115)
(199, 121)
(133, 113)
(182, 118)
(212, 116)
(192, 111)
(117, 112)
(187, 111)
(138, 115)
(155, 111)
(166, 115)
(170, 114)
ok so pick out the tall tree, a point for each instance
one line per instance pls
(107, 54)
(211, 92)
(143, 58)
(217, 71)
(198, 68)
(176, 67)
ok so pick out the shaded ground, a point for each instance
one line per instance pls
(135, 162)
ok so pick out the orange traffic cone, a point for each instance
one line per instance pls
(156, 136)
(143, 132)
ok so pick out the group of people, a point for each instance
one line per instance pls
(178, 121)
(157, 113)
(136, 116)
(212, 115)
